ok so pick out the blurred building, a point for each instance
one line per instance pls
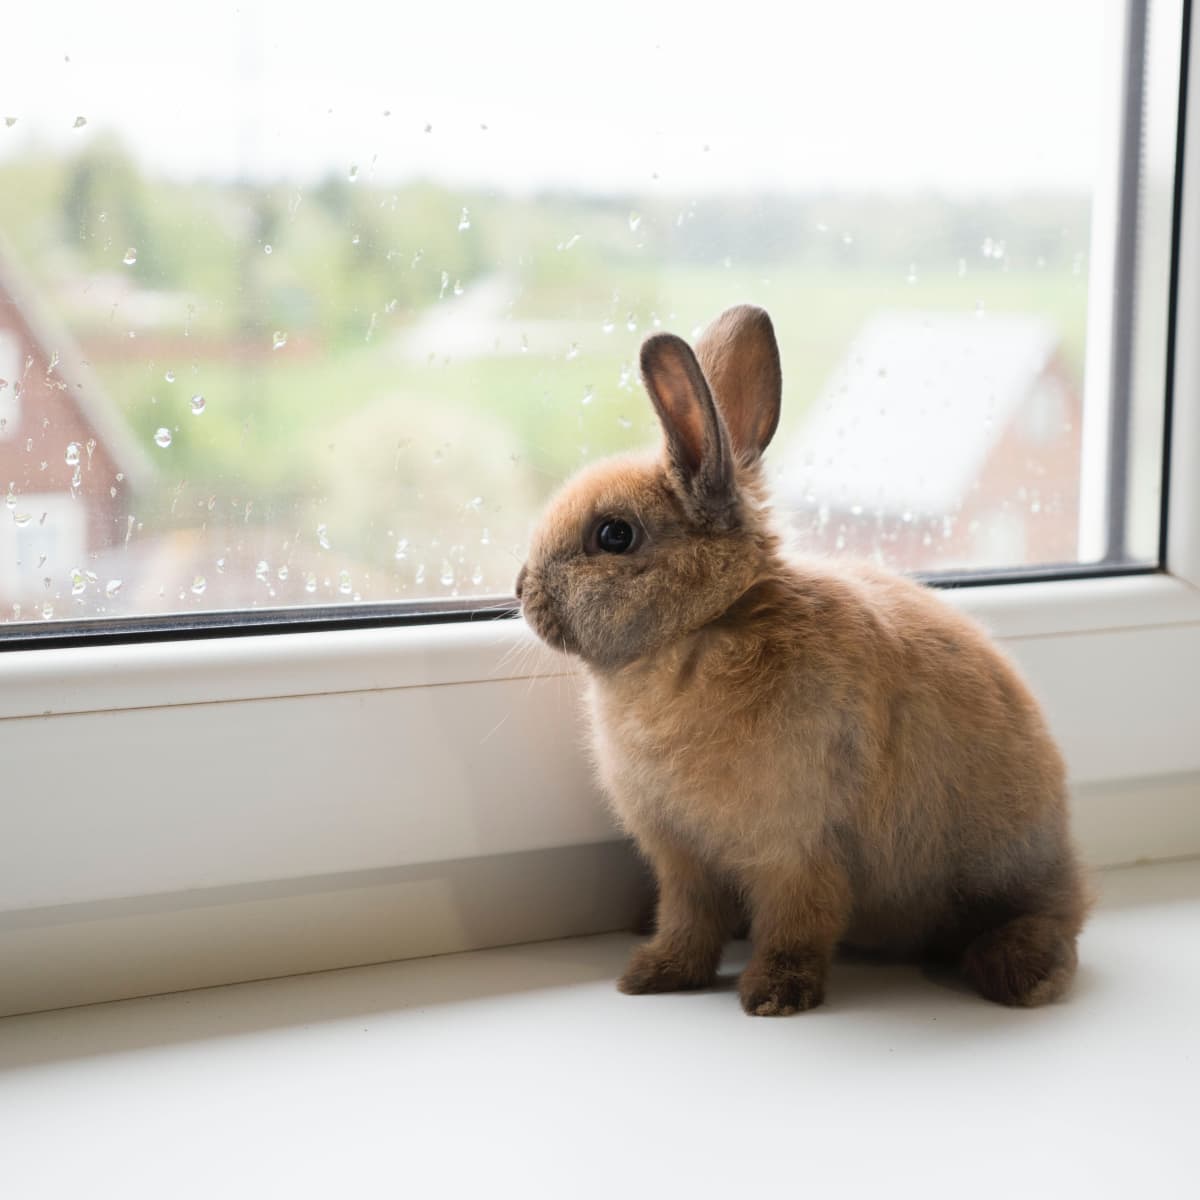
(941, 441)
(68, 461)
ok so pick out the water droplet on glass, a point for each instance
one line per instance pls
(345, 586)
(401, 549)
(524, 344)
(635, 219)
(419, 577)
(323, 536)
(353, 172)
(310, 583)
(477, 575)
(170, 376)
(609, 326)
(162, 437)
(625, 422)
(80, 122)
(78, 582)
(447, 576)
(220, 566)
(278, 340)
(198, 404)
(355, 239)
(464, 221)
(22, 519)
(10, 121)
(282, 572)
(198, 585)
(260, 571)
(573, 351)
(631, 323)
(588, 394)
(47, 610)
(267, 248)
(72, 454)
(130, 256)
(485, 538)
(112, 587)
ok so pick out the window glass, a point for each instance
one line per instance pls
(320, 309)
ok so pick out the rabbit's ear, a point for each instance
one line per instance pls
(698, 448)
(740, 359)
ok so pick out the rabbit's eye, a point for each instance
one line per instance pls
(614, 536)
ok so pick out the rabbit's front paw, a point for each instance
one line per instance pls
(779, 984)
(664, 969)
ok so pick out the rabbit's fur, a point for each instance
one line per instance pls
(827, 747)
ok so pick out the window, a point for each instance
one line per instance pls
(310, 313)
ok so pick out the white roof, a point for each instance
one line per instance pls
(911, 413)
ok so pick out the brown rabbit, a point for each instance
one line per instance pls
(827, 747)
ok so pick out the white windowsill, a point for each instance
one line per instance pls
(523, 1072)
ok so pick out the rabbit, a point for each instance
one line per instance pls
(824, 746)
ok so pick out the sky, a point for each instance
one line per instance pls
(961, 96)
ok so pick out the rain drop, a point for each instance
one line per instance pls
(625, 422)
(198, 404)
(477, 575)
(310, 583)
(48, 608)
(78, 582)
(635, 219)
(345, 586)
(353, 172)
(447, 576)
(80, 122)
(588, 395)
(572, 351)
(162, 437)
(10, 121)
(267, 248)
(419, 577)
(283, 572)
(401, 550)
(22, 519)
(609, 326)
(260, 571)
(130, 256)
(73, 454)
(198, 585)
(112, 587)
(170, 376)
(278, 340)
(323, 536)
(464, 221)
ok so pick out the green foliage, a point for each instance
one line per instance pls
(352, 423)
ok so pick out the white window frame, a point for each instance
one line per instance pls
(177, 813)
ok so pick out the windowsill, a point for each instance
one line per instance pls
(522, 1071)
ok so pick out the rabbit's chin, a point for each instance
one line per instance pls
(549, 629)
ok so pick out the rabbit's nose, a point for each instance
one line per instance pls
(521, 580)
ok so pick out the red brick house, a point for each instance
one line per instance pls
(67, 460)
(941, 441)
